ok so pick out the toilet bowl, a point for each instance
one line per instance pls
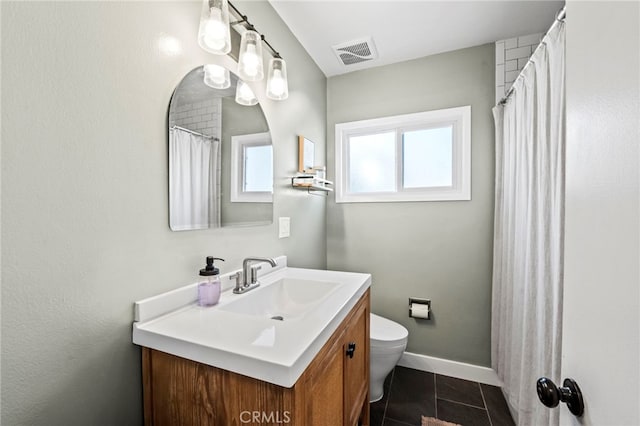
(388, 341)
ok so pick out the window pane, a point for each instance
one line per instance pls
(258, 173)
(372, 163)
(428, 158)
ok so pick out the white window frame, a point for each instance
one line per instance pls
(238, 144)
(459, 118)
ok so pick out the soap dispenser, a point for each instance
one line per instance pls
(209, 290)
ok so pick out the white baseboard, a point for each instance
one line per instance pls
(445, 367)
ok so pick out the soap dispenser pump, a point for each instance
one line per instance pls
(209, 290)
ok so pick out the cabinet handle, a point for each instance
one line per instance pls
(351, 349)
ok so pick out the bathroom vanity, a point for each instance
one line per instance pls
(294, 351)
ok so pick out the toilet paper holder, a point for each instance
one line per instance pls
(422, 308)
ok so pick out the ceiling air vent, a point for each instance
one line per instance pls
(356, 51)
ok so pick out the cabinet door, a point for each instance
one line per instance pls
(356, 366)
(324, 391)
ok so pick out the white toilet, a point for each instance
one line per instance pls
(388, 341)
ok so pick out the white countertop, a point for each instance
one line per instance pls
(273, 351)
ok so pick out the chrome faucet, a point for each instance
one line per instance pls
(247, 279)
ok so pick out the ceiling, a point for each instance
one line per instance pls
(403, 30)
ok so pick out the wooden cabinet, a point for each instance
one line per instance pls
(323, 384)
(339, 376)
(356, 368)
(333, 390)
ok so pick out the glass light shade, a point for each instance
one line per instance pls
(214, 35)
(244, 94)
(250, 66)
(277, 86)
(216, 76)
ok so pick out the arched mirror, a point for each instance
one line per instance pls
(220, 155)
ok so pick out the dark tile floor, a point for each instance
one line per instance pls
(410, 394)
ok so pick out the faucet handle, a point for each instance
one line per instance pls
(238, 277)
(254, 273)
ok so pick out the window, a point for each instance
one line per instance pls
(251, 168)
(424, 156)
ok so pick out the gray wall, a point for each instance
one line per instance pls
(436, 250)
(85, 94)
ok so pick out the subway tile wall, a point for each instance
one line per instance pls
(204, 117)
(511, 57)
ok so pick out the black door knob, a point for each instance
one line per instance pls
(551, 395)
(351, 348)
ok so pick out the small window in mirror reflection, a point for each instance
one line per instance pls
(251, 168)
(258, 173)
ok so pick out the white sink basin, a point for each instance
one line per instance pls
(239, 335)
(286, 299)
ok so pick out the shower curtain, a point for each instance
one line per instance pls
(528, 235)
(194, 169)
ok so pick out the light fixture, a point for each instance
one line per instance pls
(250, 60)
(216, 76)
(244, 94)
(277, 86)
(214, 35)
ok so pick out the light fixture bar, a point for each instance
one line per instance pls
(214, 36)
(243, 19)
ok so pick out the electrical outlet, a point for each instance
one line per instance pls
(285, 227)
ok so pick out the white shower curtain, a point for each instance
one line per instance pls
(528, 236)
(193, 180)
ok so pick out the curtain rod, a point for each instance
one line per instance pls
(194, 133)
(560, 17)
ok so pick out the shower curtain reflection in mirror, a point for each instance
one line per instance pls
(194, 180)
